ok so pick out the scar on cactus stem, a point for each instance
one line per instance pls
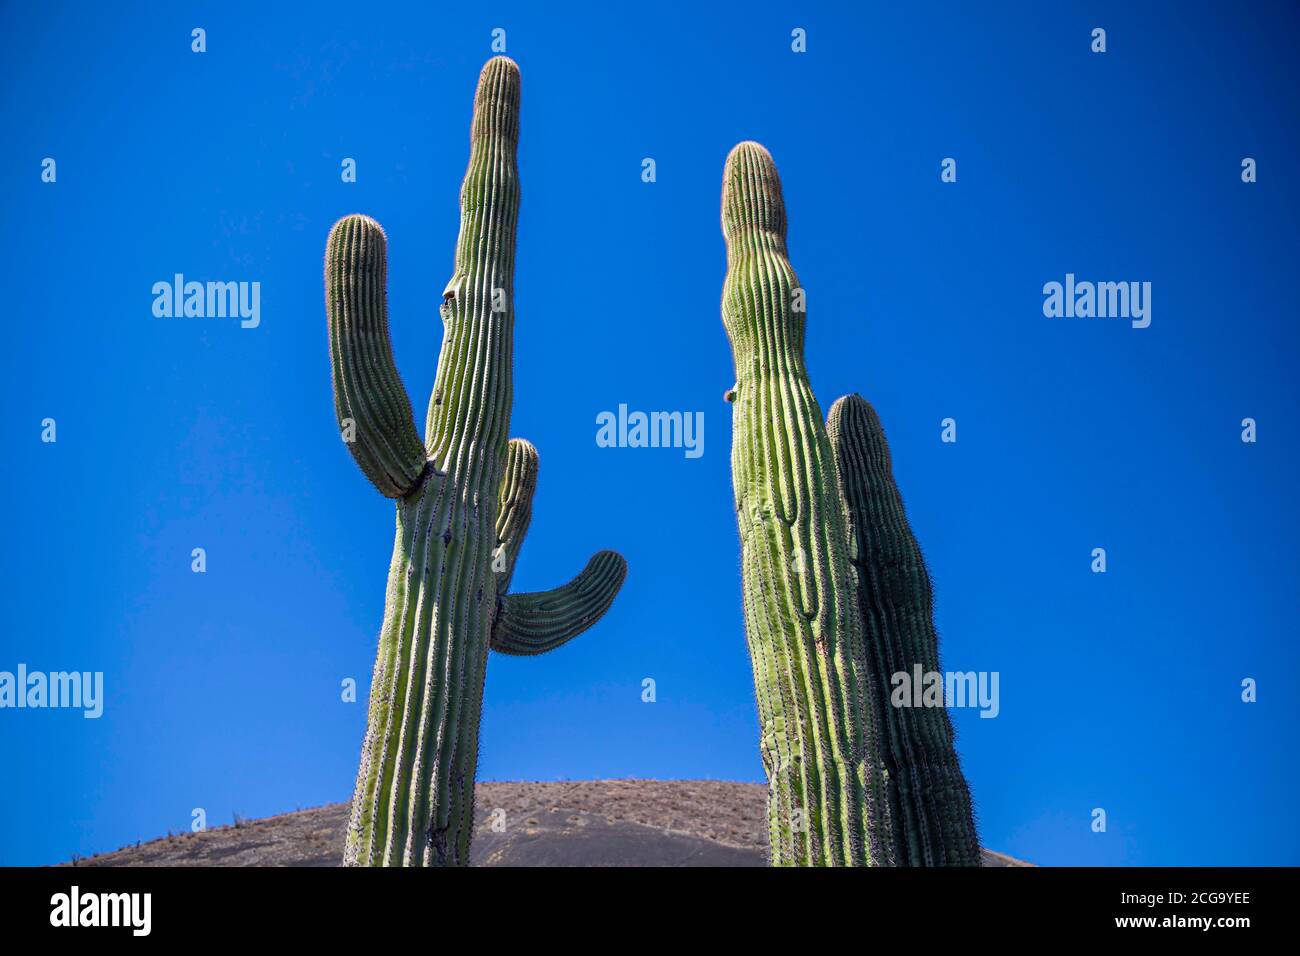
(850, 783)
(464, 500)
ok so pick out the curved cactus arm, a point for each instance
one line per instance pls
(514, 508)
(373, 411)
(541, 621)
(932, 820)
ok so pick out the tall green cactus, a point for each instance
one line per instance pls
(464, 499)
(830, 744)
(826, 798)
(930, 805)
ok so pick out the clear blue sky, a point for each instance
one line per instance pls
(1119, 691)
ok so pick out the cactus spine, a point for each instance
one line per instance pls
(464, 498)
(930, 806)
(822, 649)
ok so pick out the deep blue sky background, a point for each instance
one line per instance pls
(1118, 691)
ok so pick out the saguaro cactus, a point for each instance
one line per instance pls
(830, 748)
(930, 806)
(464, 499)
(826, 797)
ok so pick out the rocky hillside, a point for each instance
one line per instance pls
(579, 823)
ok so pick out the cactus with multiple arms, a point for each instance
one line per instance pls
(850, 783)
(464, 499)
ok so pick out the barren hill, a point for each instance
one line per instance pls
(578, 823)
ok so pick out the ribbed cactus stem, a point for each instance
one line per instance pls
(826, 795)
(930, 801)
(464, 500)
(473, 390)
(414, 802)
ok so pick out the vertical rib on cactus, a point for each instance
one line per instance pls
(929, 800)
(826, 796)
(454, 552)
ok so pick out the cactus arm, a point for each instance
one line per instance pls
(369, 399)
(473, 389)
(826, 795)
(933, 821)
(537, 622)
(514, 508)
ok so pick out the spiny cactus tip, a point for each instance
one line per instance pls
(751, 192)
(854, 411)
(357, 219)
(496, 100)
(503, 62)
(749, 149)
